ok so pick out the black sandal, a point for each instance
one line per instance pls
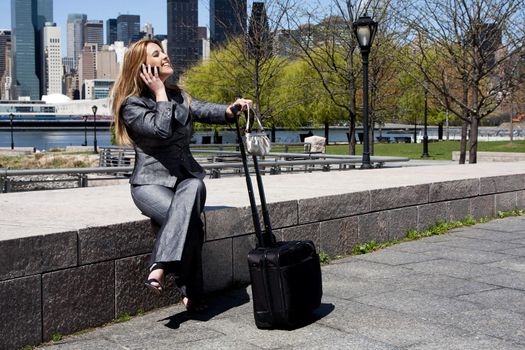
(159, 286)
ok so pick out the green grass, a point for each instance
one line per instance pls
(439, 228)
(438, 150)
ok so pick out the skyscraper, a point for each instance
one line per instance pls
(128, 28)
(111, 31)
(27, 19)
(184, 49)
(51, 80)
(94, 33)
(259, 31)
(5, 64)
(227, 20)
(75, 36)
(87, 65)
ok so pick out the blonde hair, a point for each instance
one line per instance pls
(128, 84)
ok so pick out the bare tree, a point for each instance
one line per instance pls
(469, 52)
(324, 35)
(250, 62)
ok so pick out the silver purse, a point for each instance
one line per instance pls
(257, 143)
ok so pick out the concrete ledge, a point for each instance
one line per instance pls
(73, 259)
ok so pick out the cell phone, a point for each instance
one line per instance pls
(153, 68)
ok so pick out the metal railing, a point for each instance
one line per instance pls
(117, 163)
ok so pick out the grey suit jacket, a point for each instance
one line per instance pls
(161, 132)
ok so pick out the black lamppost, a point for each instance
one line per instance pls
(94, 109)
(425, 135)
(365, 29)
(11, 126)
(85, 130)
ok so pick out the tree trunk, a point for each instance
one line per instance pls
(415, 130)
(463, 142)
(473, 151)
(464, 125)
(273, 133)
(326, 132)
(351, 135)
(474, 122)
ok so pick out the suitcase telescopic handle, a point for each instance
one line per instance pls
(253, 205)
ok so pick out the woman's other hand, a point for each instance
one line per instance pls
(241, 104)
(150, 77)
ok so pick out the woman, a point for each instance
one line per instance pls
(166, 183)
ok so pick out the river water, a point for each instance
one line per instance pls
(43, 139)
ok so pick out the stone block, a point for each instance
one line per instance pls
(505, 183)
(303, 232)
(77, 298)
(115, 241)
(339, 236)
(21, 316)
(483, 206)
(33, 255)
(373, 227)
(520, 200)
(447, 190)
(241, 246)
(282, 214)
(217, 264)
(431, 214)
(333, 207)
(400, 221)
(131, 294)
(505, 201)
(228, 222)
(397, 197)
(458, 209)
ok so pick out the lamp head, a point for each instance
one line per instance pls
(94, 109)
(365, 29)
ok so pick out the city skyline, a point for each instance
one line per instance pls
(155, 13)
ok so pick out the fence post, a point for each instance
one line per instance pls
(82, 180)
(6, 184)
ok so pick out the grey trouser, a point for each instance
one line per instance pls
(179, 240)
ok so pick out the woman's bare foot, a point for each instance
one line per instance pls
(194, 306)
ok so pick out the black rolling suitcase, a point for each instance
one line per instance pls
(285, 276)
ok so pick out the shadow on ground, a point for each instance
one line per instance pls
(221, 303)
(218, 304)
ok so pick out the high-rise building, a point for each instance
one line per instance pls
(87, 65)
(227, 20)
(51, 81)
(69, 64)
(128, 28)
(148, 31)
(111, 31)
(94, 32)
(75, 35)
(202, 36)
(97, 88)
(107, 65)
(184, 48)
(259, 31)
(27, 20)
(5, 64)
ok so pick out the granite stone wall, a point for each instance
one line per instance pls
(68, 281)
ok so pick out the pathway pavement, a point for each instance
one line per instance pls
(462, 290)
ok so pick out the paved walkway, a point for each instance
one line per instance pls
(462, 290)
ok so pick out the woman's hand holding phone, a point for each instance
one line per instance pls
(150, 77)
